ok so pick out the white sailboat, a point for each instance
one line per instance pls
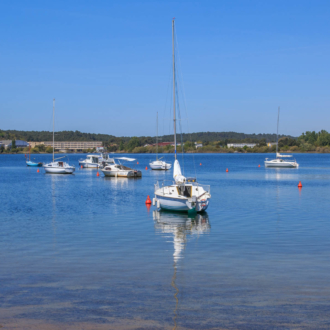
(279, 162)
(185, 194)
(56, 167)
(159, 164)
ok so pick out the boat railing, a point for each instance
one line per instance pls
(165, 183)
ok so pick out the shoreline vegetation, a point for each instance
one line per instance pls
(309, 142)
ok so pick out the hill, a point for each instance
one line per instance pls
(226, 137)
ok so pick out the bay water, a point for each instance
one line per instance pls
(81, 251)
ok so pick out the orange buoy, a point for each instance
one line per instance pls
(259, 165)
(299, 184)
(38, 171)
(200, 164)
(147, 168)
(137, 163)
(81, 166)
(148, 201)
(227, 170)
(97, 174)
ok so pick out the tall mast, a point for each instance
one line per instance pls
(53, 129)
(278, 120)
(157, 139)
(174, 116)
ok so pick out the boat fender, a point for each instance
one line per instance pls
(158, 204)
(154, 201)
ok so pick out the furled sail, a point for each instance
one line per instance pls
(177, 175)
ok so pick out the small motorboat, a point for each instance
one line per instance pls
(119, 170)
(159, 164)
(91, 161)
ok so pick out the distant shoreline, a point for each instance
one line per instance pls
(168, 153)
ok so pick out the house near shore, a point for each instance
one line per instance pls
(198, 145)
(19, 144)
(64, 146)
(241, 145)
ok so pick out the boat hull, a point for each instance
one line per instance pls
(59, 170)
(160, 167)
(281, 165)
(32, 164)
(122, 174)
(181, 204)
(88, 165)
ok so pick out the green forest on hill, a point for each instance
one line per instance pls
(38, 136)
(212, 141)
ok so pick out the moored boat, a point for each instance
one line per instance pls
(159, 164)
(91, 161)
(279, 162)
(56, 167)
(30, 163)
(184, 194)
(119, 170)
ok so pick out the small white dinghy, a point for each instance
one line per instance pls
(119, 170)
(57, 167)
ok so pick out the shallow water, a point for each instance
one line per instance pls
(81, 249)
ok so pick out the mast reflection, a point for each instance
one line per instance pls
(181, 226)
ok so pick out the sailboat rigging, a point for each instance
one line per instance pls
(159, 164)
(185, 194)
(56, 167)
(279, 161)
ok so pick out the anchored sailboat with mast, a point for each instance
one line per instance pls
(56, 167)
(185, 194)
(159, 164)
(279, 161)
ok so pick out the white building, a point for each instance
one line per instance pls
(198, 145)
(241, 145)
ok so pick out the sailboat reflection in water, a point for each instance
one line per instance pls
(181, 225)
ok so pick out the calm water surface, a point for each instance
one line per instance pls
(81, 248)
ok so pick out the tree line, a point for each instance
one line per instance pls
(309, 141)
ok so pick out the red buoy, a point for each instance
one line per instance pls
(147, 168)
(137, 163)
(148, 201)
(299, 184)
(38, 171)
(200, 164)
(97, 174)
(227, 170)
(81, 166)
(259, 165)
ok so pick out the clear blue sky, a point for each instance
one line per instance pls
(108, 64)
